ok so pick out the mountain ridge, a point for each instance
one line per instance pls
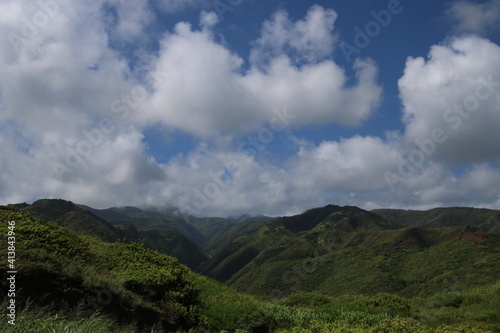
(85, 222)
(343, 269)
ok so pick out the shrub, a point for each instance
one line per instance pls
(399, 325)
(304, 299)
(447, 300)
(460, 329)
(387, 302)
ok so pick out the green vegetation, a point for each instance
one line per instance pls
(83, 221)
(60, 268)
(346, 271)
(369, 258)
(68, 215)
(479, 219)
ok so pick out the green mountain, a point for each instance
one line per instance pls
(56, 266)
(66, 282)
(339, 250)
(83, 221)
(165, 241)
(485, 220)
(336, 217)
(198, 230)
(67, 214)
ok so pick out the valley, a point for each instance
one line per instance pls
(329, 269)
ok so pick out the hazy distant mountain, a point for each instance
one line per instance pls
(193, 228)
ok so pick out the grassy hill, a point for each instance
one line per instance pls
(336, 217)
(67, 214)
(58, 267)
(339, 250)
(83, 221)
(72, 283)
(485, 220)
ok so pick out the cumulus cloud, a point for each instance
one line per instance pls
(479, 18)
(73, 114)
(208, 91)
(114, 171)
(68, 97)
(128, 20)
(173, 6)
(60, 132)
(311, 39)
(456, 92)
(59, 77)
(354, 164)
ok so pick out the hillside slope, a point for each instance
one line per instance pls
(79, 284)
(86, 223)
(57, 266)
(198, 230)
(337, 250)
(485, 220)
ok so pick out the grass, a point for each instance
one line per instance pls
(226, 310)
(34, 319)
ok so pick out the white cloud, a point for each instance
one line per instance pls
(129, 19)
(66, 129)
(173, 6)
(456, 90)
(115, 171)
(59, 80)
(208, 19)
(317, 94)
(354, 164)
(208, 91)
(474, 17)
(62, 76)
(310, 39)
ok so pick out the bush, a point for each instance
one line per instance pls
(387, 302)
(447, 300)
(406, 325)
(304, 299)
(460, 329)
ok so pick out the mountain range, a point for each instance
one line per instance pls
(330, 251)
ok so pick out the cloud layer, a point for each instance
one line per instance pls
(456, 91)
(208, 90)
(74, 110)
(478, 18)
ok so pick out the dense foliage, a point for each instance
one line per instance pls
(345, 281)
(56, 266)
(83, 221)
(347, 250)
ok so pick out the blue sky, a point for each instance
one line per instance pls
(261, 107)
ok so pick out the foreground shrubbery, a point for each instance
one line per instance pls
(60, 268)
(79, 284)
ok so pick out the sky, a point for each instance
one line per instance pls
(268, 107)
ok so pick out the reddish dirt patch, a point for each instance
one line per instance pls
(477, 237)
